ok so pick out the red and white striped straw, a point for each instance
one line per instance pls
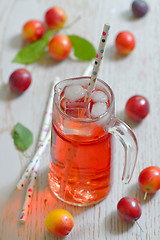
(97, 62)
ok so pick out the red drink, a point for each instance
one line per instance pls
(89, 165)
(80, 168)
(81, 142)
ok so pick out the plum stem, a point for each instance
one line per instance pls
(145, 195)
(139, 226)
(76, 20)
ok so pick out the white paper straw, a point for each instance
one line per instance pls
(47, 116)
(32, 163)
(97, 62)
(32, 169)
(48, 113)
(45, 127)
(29, 193)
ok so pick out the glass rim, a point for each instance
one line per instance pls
(88, 120)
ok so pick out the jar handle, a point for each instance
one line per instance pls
(126, 136)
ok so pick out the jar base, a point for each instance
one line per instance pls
(84, 203)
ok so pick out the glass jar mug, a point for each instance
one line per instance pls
(80, 171)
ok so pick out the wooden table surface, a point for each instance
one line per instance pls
(137, 73)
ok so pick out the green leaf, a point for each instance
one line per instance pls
(83, 49)
(22, 136)
(33, 51)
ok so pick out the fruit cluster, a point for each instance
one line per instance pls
(55, 18)
(41, 38)
(59, 46)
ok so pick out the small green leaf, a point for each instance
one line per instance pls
(33, 51)
(83, 49)
(22, 136)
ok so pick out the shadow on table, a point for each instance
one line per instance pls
(131, 123)
(115, 225)
(16, 42)
(135, 191)
(46, 61)
(113, 222)
(128, 15)
(6, 94)
(112, 54)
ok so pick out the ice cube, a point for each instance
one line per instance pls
(98, 109)
(78, 109)
(99, 96)
(74, 92)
